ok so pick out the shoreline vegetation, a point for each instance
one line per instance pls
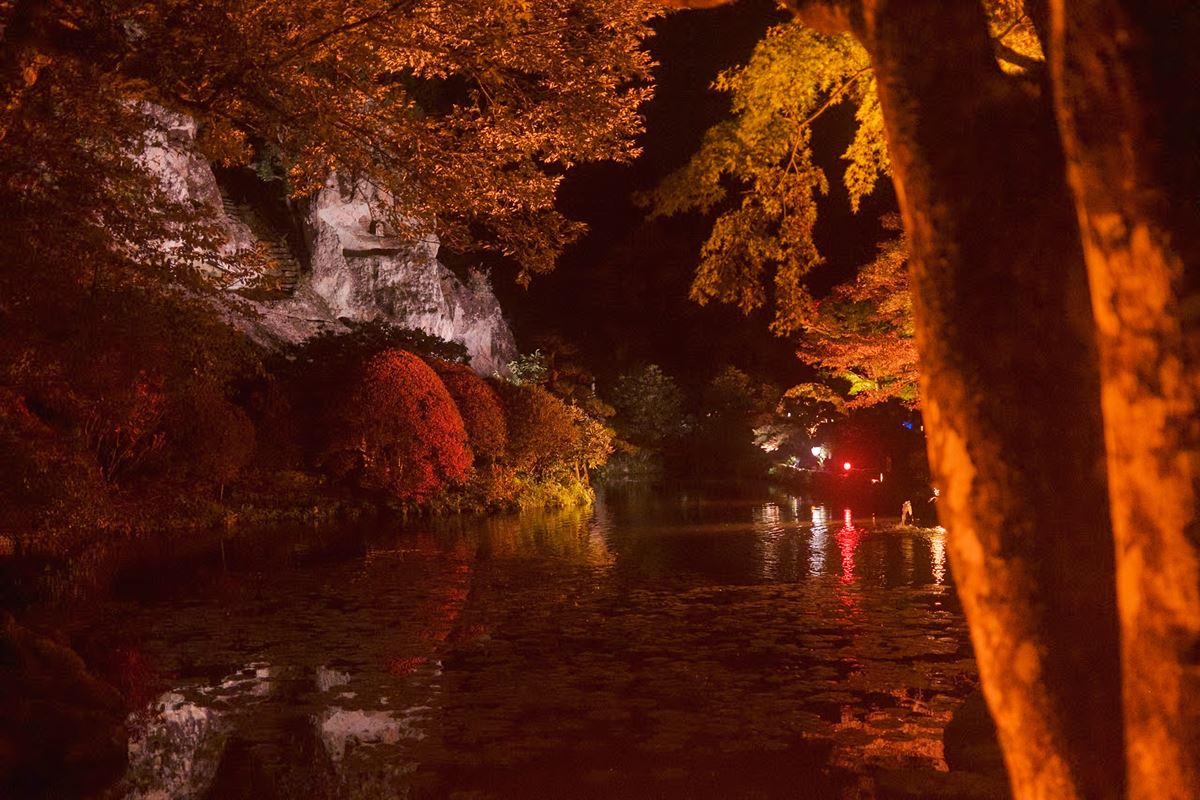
(379, 421)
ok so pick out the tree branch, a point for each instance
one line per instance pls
(835, 96)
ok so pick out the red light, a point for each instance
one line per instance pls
(846, 466)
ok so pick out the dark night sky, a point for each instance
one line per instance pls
(621, 292)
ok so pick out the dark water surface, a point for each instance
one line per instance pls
(666, 643)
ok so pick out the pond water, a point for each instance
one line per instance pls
(665, 643)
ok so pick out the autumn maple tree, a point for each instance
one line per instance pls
(1049, 209)
(466, 114)
(861, 334)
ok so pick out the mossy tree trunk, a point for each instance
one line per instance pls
(1011, 387)
(1126, 75)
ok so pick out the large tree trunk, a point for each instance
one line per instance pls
(1126, 76)
(1010, 384)
(1010, 381)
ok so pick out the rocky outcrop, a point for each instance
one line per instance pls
(356, 269)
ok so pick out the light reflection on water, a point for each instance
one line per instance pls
(818, 540)
(661, 644)
(937, 544)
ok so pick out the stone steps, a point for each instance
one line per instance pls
(284, 267)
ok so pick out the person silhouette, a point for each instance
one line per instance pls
(906, 513)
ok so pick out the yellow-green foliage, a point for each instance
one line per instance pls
(765, 152)
(756, 171)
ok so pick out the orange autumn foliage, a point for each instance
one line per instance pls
(543, 438)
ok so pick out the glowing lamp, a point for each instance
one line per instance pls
(816, 451)
(846, 466)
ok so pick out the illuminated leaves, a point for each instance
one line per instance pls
(863, 332)
(1014, 36)
(480, 408)
(398, 430)
(465, 113)
(867, 154)
(765, 153)
(756, 171)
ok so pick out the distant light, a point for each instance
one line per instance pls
(847, 466)
(816, 451)
(907, 424)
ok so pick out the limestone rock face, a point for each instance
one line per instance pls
(169, 152)
(361, 272)
(357, 269)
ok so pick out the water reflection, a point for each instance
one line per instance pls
(848, 538)
(818, 540)
(723, 646)
(772, 540)
(937, 545)
(906, 549)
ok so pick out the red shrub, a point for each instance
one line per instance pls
(480, 408)
(398, 430)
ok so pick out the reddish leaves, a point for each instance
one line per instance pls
(398, 430)
(480, 408)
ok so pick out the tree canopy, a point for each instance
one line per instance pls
(758, 173)
(466, 115)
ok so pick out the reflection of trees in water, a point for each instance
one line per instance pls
(486, 655)
(576, 534)
(263, 729)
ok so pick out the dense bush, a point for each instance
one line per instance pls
(723, 442)
(48, 485)
(277, 425)
(311, 377)
(542, 435)
(215, 439)
(480, 408)
(122, 398)
(649, 406)
(329, 355)
(134, 407)
(397, 430)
